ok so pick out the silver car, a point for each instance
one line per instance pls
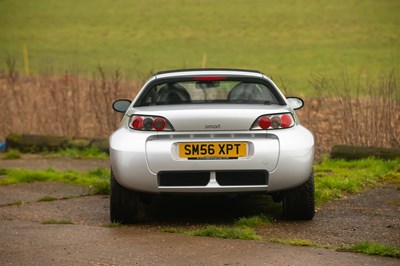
(202, 131)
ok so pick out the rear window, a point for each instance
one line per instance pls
(208, 91)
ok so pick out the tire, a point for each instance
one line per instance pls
(126, 206)
(299, 203)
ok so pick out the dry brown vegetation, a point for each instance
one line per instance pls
(62, 105)
(366, 114)
(70, 105)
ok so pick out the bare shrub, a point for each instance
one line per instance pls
(365, 115)
(66, 105)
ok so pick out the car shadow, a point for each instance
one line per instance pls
(207, 209)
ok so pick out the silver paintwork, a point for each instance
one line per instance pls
(137, 156)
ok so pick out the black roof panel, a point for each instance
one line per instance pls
(206, 69)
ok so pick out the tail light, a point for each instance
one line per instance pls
(149, 123)
(276, 121)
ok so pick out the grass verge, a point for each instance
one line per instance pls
(366, 248)
(12, 155)
(243, 228)
(295, 242)
(57, 222)
(88, 153)
(15, 203)
(231, 232)
(335, 178)
(253, 221)
(47, 198)
(370, 248)
(97, 180)
(114, 225)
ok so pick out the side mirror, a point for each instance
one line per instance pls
(121, 106)
(295, 103)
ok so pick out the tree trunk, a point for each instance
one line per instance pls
(348, 152)
(36, 143)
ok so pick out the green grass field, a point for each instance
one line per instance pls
(289, 40)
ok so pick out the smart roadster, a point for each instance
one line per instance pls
(210, 131)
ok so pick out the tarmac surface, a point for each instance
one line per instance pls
(26, 239)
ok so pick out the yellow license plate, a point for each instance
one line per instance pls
(212, 149)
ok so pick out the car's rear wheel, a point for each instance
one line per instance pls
(299, 203)
(126, 205)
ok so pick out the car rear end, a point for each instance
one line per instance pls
(195, 141)
(212, 160)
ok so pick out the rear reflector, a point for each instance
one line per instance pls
(275, 121)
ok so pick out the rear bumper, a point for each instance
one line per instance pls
(138, 158)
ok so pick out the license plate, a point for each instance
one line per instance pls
(211, 150)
